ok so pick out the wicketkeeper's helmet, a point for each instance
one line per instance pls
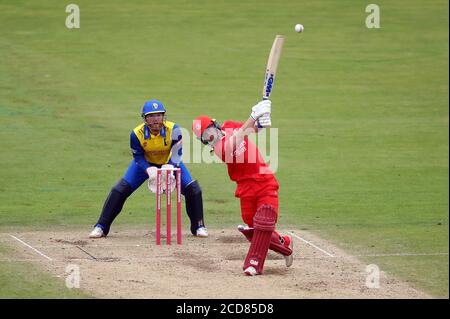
(152, 106)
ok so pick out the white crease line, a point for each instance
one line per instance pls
(311, 244)
(146, 246)
(403, 255)
(21, 241)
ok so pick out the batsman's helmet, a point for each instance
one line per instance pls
(201, 123)
(152, 106)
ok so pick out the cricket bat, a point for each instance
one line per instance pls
(269, 78)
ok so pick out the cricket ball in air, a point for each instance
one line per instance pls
(299, 28)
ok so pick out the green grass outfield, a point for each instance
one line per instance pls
(20, 279)
(362, 116)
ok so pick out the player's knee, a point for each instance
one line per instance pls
(123, 188)
(265, 218)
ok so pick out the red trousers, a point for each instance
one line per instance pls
(254, 194)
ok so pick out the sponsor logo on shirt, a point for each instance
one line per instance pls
(240, 149)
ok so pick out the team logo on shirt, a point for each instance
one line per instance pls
(240, 149)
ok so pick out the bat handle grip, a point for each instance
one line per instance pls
(266, 116)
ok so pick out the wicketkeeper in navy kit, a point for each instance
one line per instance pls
(154, 143)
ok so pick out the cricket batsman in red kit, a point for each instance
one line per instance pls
(257, 187)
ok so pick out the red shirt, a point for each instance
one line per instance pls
(244, 161)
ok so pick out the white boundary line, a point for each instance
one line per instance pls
(40, 253)
(311, 244)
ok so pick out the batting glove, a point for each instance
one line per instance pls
(264, 120)
(263, 107)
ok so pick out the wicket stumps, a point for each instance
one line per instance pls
(159, 183)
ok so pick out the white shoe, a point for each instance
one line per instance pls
(202, 232)
(97, 232)
(242, 228)
(290, 259)
(250, 271)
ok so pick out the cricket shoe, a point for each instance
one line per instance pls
(201, 232)
(97, 232)
(250, 271)
(242, 228)
(290, 259)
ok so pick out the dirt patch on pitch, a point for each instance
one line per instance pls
(128, 264)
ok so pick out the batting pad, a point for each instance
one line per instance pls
(264, 225)
(275, 243)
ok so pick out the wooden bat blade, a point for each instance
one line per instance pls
(272, 65)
